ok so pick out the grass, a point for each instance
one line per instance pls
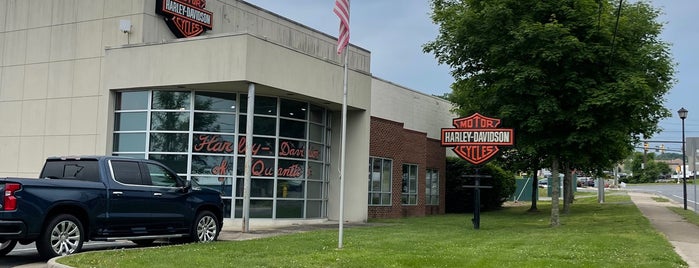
(660, 199)
(613, 234)
(688, 215)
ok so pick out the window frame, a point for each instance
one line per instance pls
(410, 197)
(381, 192)
(431, 194)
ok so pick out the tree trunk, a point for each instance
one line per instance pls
(535, 191)
(573, 185)
(567, 189)
(555, 192)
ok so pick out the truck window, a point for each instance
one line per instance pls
(160, 176)
(127, 172)
(82, 170)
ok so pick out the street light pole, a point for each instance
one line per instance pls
(682, 112)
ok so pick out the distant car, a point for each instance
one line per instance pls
(543, 183)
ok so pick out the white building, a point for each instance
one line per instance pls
(86, 77)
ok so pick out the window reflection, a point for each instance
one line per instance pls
(170, 100)
(211, 122)
(169, 121)
(316, 114)
(290, 209)
(292, 128)
(293, 109)
(212, 165)
(214, 101)
(195, 134)
(263, 105)
(169, 142)
(177, 162)
(290, 189)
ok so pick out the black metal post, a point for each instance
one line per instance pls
(477, 202)
(684, 169)
(682, 112)
(476, 196)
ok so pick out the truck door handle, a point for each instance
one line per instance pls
(157, 194)
(117, 193)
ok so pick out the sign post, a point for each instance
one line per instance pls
(476, 139)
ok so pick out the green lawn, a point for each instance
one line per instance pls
(613, 234)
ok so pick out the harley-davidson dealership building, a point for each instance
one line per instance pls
(170, 80)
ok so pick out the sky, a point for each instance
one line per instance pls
(396, 30)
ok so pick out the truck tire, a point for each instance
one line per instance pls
(62, 236)
(206, 228)
(7, 246)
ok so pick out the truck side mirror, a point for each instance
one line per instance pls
(187, 186)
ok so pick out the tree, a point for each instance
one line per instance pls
(575, 87)
(646, 169)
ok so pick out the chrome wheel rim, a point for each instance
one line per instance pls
(65, 238)
(5, 244)
(206, 229)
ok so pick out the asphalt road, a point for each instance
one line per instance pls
(673, 191)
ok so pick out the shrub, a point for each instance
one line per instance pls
(460, 199)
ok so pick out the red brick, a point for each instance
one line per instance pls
(389, 139)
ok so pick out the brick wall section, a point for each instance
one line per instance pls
(388, 139)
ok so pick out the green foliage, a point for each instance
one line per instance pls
(614, 234)
(652, 170)
(558, 72)
(459, 199)
(669, 156)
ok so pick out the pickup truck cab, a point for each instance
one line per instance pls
(104, 198)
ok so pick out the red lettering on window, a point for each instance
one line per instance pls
(255, 147)
(290, 172)
(314, 154)
(259, 169)
(221, 169)
(287, 149)
(213, 144)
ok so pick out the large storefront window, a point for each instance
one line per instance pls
(201, 135)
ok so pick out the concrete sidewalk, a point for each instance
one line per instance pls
(684, 236)
(233, 232)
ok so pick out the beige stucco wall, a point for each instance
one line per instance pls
(50, 78)
(52, 97)
(418, 111)
(61, 59)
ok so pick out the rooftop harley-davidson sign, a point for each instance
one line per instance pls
(476, 138)
(185, 18)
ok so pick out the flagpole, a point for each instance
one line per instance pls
(343, 153)
(342, 10)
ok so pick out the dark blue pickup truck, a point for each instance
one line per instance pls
(104, 198)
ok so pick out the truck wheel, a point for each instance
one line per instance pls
(62, 236)
(205, 228)
(7, 246)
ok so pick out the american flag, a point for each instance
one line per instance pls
(342, 11)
